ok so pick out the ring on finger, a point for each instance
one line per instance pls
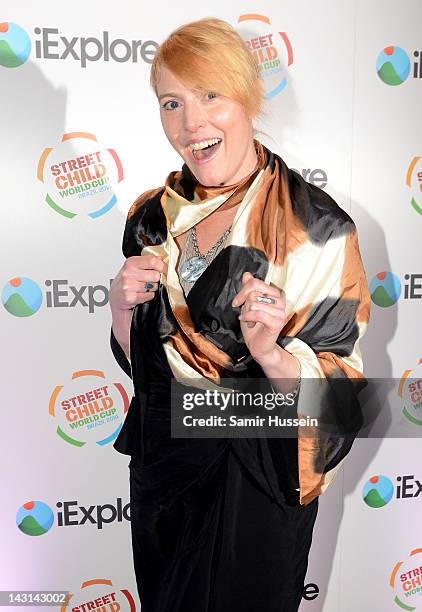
(150, 286)
(265, 299)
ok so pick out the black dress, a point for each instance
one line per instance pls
(216, 523)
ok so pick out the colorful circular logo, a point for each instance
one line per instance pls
(89, 408)
(410, 393)
(15, 45)
(80, 176)
(393, 65)
(35, 518)
(103, 593)
(21, 297)
(414, 182)
(378, 491)
(271, 49)
(385, 288)
(405, 581)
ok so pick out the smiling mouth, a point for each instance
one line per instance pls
(205, 151)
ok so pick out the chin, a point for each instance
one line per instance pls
(208, 179)
(206, 176)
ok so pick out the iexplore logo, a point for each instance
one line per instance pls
(379, 490)
(22, 296)
(36, 518)
(314, 176)
(393, 65)
(53, 46)
(15, 47)
(386, 288)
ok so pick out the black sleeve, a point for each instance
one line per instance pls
(119, 355)
(145, 214)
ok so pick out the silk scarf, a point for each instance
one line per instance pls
(289, 234)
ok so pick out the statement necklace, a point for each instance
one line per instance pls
(192, 268)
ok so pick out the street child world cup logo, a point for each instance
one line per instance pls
(414, 183)
(100, 594)
(272, 50)
(88, 408)
(79, 175)
(410, 392)
(406, 581)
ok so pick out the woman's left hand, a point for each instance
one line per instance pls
(260, 323)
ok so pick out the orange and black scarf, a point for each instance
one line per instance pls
(287, 233)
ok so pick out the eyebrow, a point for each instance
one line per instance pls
(170, 94)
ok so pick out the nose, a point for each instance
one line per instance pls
(193, 116)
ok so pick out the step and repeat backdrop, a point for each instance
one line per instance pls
(81, 139)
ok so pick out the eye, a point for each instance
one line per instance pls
(211, 95)
(170, 105)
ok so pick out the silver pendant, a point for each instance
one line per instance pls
(192, 268)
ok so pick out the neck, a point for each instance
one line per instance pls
(247, 167)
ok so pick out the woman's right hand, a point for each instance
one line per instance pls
(128, 289)
(136, 282)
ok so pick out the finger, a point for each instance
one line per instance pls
(146, 297)
(255, 284)
(149, 262)
(247, 323)
(283, 297)
(272, 324)
(141, 275)
(131, 300)
(137, 289)
(272, 309)
(149, 276)
(148, 287)
(259, 297)
(157, 263)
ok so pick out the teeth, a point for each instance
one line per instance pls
(204, 143)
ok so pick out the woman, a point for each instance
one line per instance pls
(236, 268)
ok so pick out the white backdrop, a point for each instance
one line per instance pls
(334, 117)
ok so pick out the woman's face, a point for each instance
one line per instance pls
(212, 133)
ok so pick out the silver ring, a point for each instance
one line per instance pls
(265, 299)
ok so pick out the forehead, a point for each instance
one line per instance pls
(169, 83)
